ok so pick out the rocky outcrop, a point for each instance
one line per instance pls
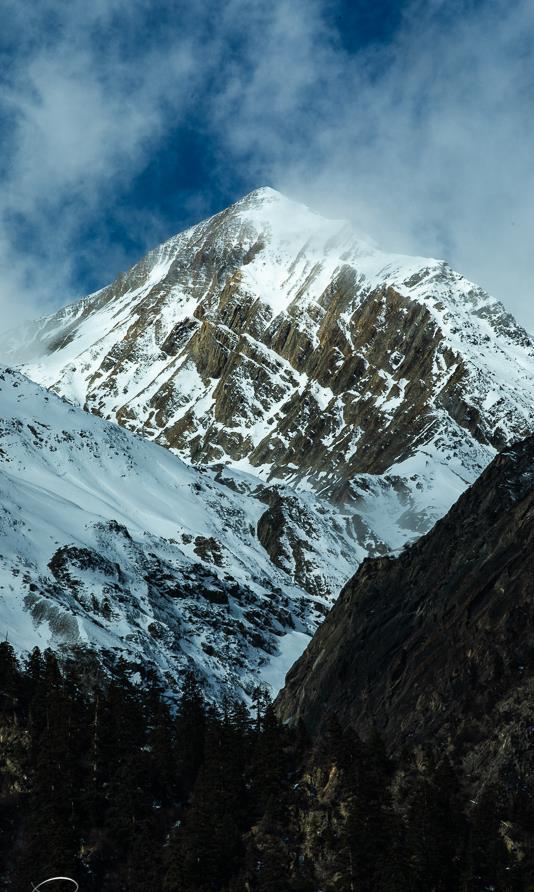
(436, 645)
(269, 335)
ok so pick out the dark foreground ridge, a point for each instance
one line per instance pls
(437, 645)
(103, 781)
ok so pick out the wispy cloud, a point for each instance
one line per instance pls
(425, 142)
(80, 117)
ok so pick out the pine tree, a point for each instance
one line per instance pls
(436, 830)
(366, 833)
(190, 733)
(141, 868)
(394, 868)
(50, 834)
(273, 867)
(9, 679)
(270, 766)
(485, 856)
(161, 740)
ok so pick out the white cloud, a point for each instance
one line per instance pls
(79, 124)
(426, 143)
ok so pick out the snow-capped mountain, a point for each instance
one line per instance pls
(329, 401)
(107, 540)
(281, 343)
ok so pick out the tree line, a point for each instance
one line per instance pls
(108, 778)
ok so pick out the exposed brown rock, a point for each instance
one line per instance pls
(344, 378)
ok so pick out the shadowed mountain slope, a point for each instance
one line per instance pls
(437, 644)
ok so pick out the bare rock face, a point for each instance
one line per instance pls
(437, 644)
(272, 339)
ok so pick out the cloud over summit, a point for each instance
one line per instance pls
(423, 136)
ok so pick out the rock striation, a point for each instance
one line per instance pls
(272, 340)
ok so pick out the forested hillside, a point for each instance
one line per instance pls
(108, 780)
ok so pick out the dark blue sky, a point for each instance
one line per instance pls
(185, 175)
(121, 123)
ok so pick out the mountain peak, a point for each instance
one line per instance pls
(286, 214)
(262, 193)
(277, 341)
(266, 338)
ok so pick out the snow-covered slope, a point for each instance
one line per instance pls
(276, 341)
(336, 401)
(107, 540)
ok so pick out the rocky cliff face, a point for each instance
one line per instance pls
(275, 341)
(436, 645)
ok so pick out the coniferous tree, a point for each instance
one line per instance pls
(50, 838)
(190, 733)
(435, 830)
(270, 759)
(485, 857)
(9, 680)
(161, 742)
(394, 868)
(205, 850)
(113, 788)
(366, 827)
